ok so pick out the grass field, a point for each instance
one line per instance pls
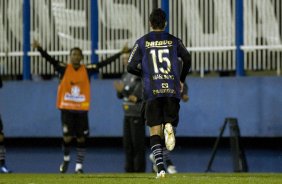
(210, 178)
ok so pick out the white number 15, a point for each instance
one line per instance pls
(161, 59)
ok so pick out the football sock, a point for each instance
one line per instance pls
(166, 157)
(81, 151)
(156, 147)
(78, 166)
(66, 150)
(2, 154)
(66, 158)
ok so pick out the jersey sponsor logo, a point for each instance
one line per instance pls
(75, 95)
(163, 91)
(77, 105)
(162, 43)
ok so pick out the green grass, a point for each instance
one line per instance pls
(210, 178)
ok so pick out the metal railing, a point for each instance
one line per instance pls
(207, 28)
(263, 35)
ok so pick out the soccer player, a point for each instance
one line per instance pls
(129, 88)
(3, 167)
(155, 58)
(73, 100)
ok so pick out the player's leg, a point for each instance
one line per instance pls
(154, 166)
(154, 121)
(81, 151)
(82, 128)
(171, 110)
(138, 142)
(3, 167)
(67, 126)
(156, 148)
(128, 145)
(169, 136)
(170, 167)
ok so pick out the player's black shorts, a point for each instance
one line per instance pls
(75, 123)
(162, 110)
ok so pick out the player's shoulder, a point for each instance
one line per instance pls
(171, 36)
(178, 41)
(144, 37)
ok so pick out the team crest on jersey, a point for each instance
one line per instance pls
(75, 95)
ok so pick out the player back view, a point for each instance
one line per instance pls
(154, 57)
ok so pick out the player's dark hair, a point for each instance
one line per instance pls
(157, 19)
(78, 49)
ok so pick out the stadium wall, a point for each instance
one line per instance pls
(28, 108)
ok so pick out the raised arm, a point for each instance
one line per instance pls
(92, 68)
(58, 65)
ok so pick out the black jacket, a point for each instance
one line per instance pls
(132, 86)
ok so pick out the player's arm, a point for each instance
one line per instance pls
(184, 94)
(134, 61)
(186, 59)
(92, 68)
(58, 65)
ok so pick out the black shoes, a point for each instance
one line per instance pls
(64, 167)
(79, 171)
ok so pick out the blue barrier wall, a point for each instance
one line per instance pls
(28, 108)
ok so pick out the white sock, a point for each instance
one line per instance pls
(78, 166)
(67, 158)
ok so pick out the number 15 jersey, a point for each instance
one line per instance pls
(155, 57)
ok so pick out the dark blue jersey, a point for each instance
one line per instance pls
(155, 58)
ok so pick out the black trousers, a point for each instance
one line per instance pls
(134, 144)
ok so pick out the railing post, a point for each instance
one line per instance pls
(94, 32)
(26, 40)
(239, 38)
(165, 7)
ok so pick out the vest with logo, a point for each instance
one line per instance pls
(74, 89)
